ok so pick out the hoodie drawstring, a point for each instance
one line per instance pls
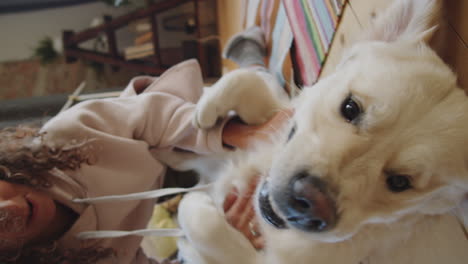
(164, 232)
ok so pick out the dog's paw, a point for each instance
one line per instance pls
(199, 217)
(188, 253)
(202, 223)
(255, 114)
(208, 235)
(207, 111)
(245, 92)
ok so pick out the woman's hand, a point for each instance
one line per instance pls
(238, 207)
(238, 134)
(240, 214)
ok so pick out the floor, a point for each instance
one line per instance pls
(29, 78)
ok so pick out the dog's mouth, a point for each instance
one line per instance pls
(266, 209)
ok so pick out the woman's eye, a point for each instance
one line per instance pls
(350, 110)
(292, 132)
(398, 183)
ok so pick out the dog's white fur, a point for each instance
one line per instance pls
(415, 123)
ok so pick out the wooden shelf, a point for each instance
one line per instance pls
(155, 64)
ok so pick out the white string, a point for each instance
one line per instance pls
(141, 195)
(163, 232)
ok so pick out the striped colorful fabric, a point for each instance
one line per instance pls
(271, 17)
(313, 24)
(268, 14)
(282, 39)
(251, 11)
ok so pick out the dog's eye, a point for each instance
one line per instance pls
(292, 132)
(398, 183)
(350, 110)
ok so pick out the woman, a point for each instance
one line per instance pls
(98, 148)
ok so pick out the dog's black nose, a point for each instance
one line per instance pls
(308, 205)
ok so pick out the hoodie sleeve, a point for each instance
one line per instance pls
(122, 131)
(161, 116)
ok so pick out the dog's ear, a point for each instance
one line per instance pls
(406, 20)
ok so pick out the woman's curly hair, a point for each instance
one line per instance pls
(25, 158)
(50, 253)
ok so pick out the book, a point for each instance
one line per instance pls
(139, 55)
(139, 51)
(144, 38)
(140, 26)
(143, 27)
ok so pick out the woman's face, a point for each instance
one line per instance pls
(26, 215)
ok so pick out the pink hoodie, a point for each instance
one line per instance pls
(127, 130)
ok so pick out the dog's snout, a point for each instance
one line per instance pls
(308, 205)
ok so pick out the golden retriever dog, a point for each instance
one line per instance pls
(368, 169)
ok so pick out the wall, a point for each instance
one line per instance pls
(22, 31)
(22, 76)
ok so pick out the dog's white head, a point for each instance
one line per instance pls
(382, 138)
